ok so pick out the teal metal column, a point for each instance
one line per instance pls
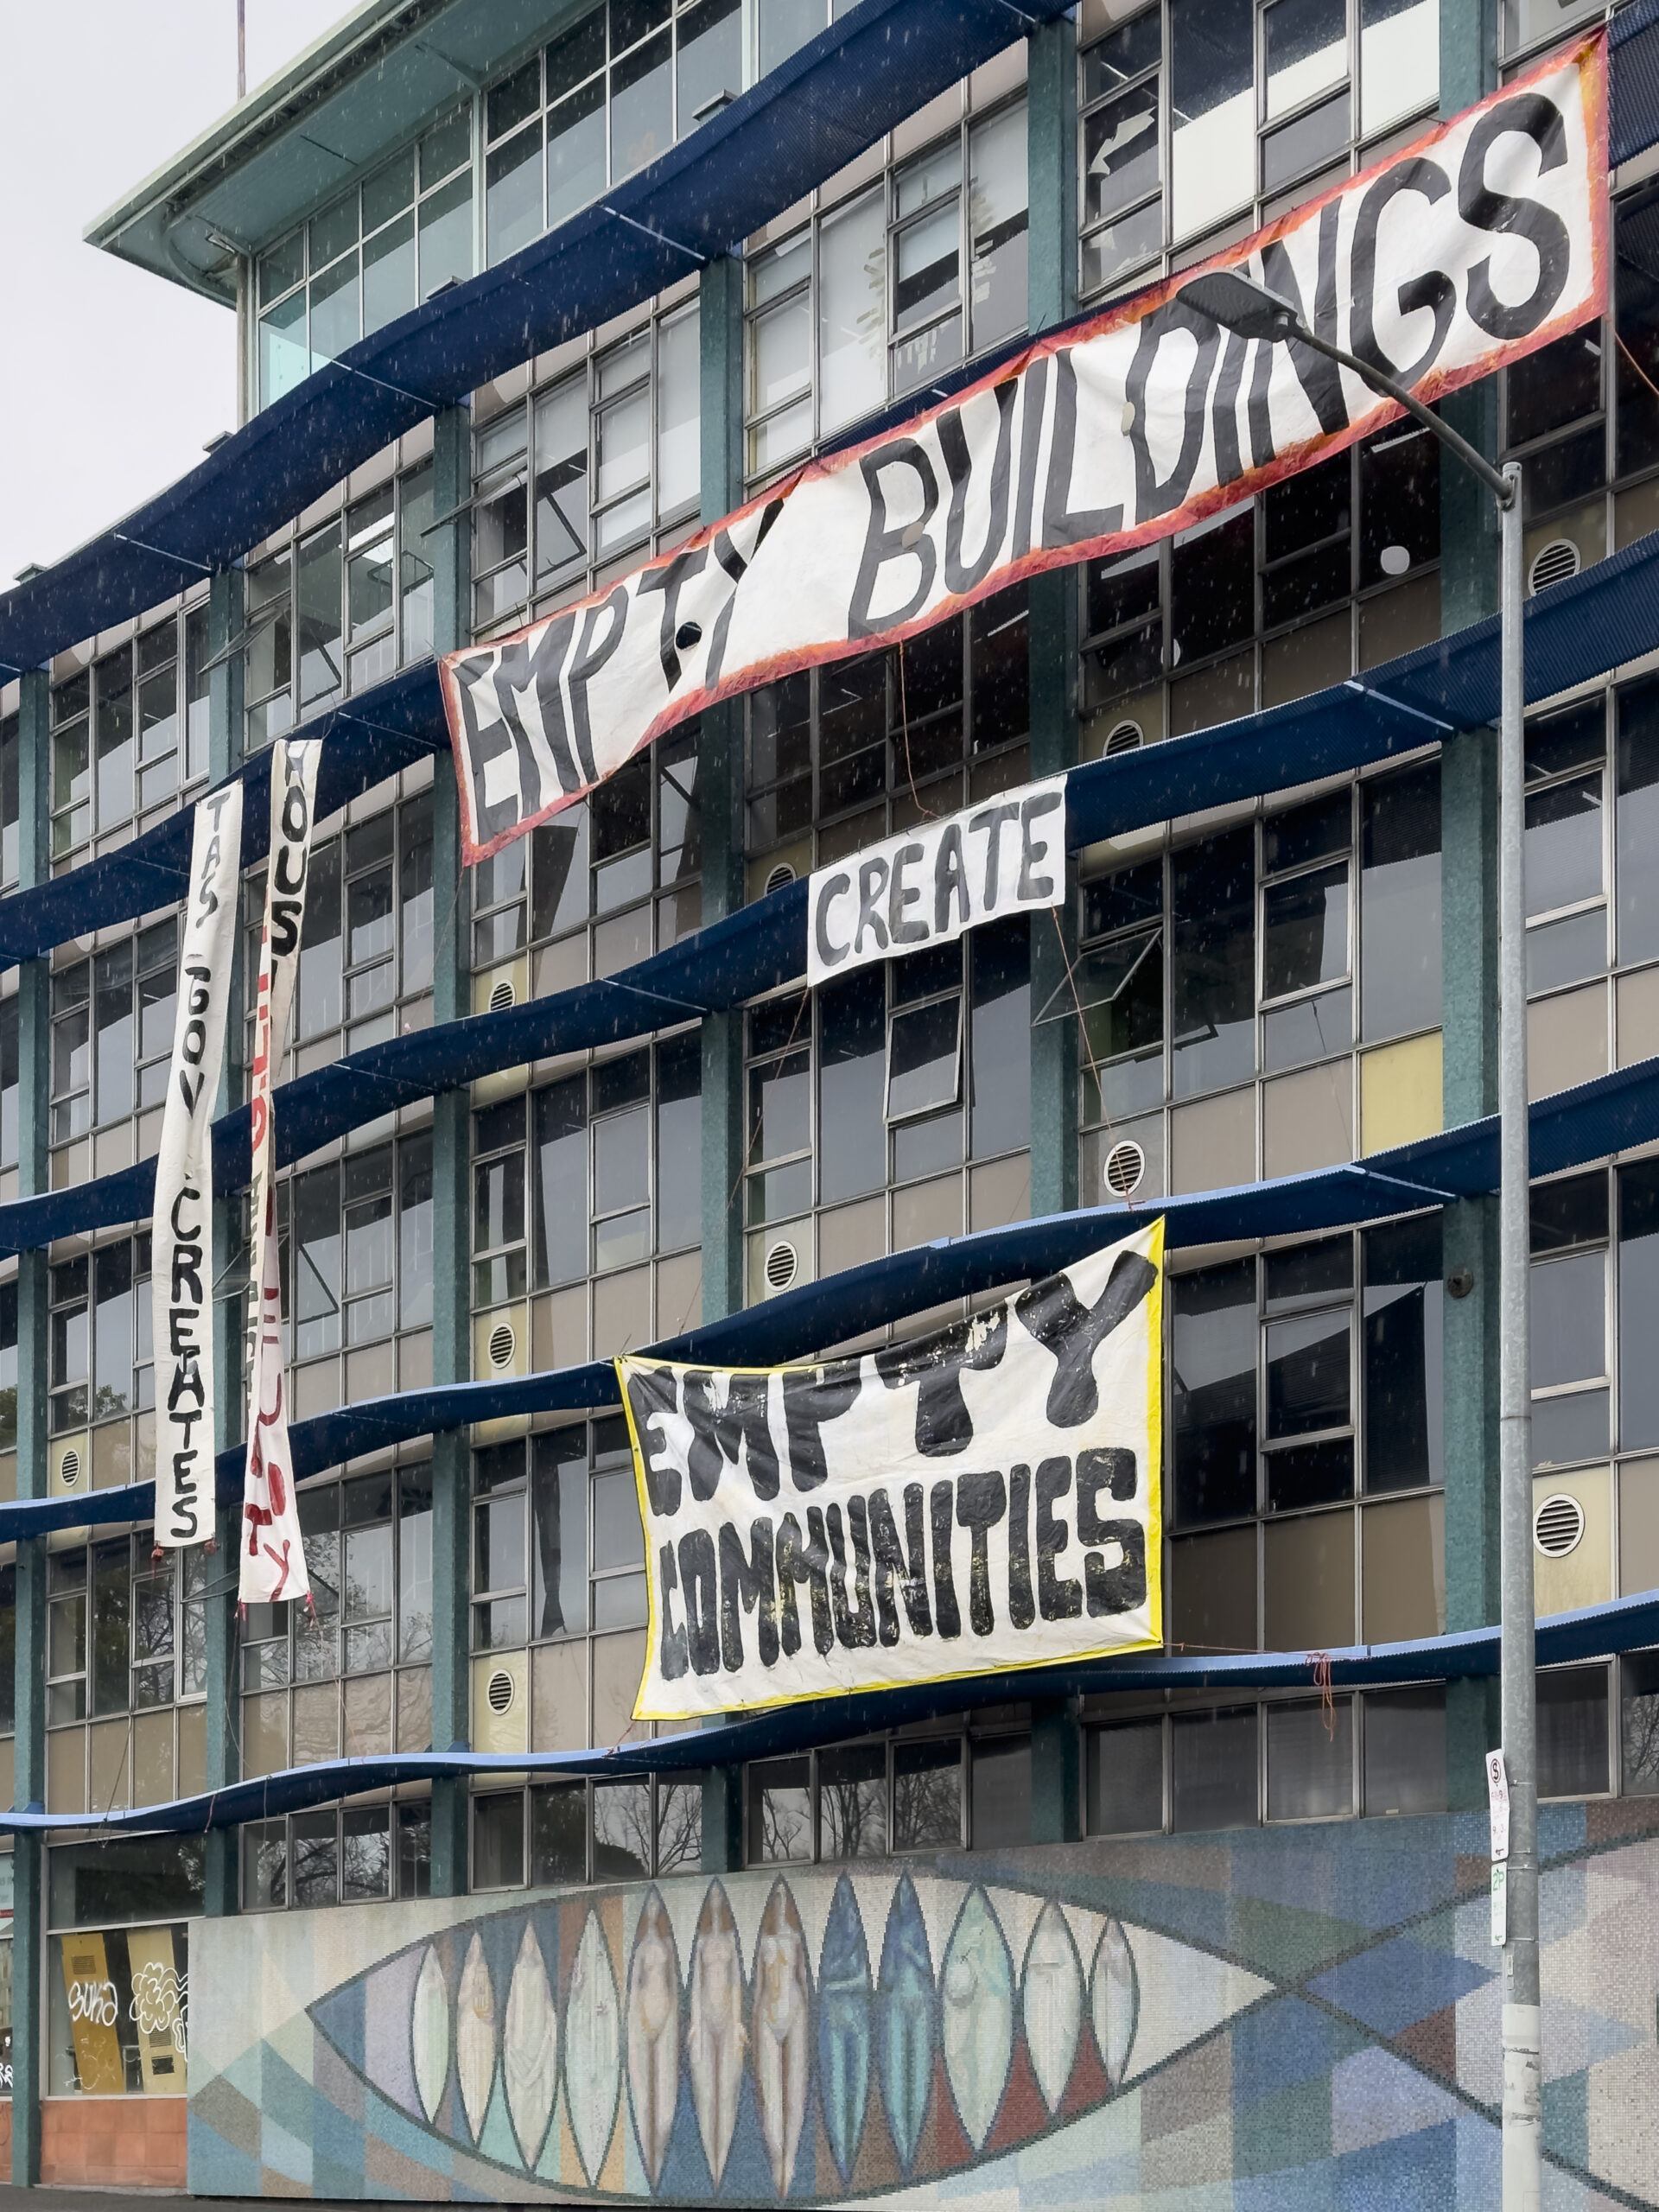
(1051, 174)
(224, 1764)
(451, 1158)
(1051, 179)
(1469, 551)
(28, 1749)
(720, 780)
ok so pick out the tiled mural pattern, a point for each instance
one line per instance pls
(1267, 2019)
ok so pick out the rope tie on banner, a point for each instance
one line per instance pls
(1319, 1664)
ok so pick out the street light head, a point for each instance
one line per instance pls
(1233, 300)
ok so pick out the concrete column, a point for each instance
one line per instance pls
(28, 1792)
(1469, 551)
(451, 1158)
(1051, 171)
(720, 776)
(226, 603)
(720, 780)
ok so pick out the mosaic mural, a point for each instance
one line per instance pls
(1277, 2018)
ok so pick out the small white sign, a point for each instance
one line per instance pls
(1497, 1802)
(1500, 1904)
(929, 884)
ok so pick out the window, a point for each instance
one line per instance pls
(880, 294)
(1330, 571)
(127, 1655)
(578, 1832)
(581, 476)
(340, 609)
(1302, 1381)
(855, 750)
(352, 1678)
(558, 1586)
(119, 1975)
(920, 1068)
(127, 738)
(112, 1035)
(1570, 1363)
(1264, 952)
(351, 1854)
(1234, 123)
(1290, 1759)
(373, 255)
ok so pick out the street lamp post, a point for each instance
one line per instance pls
(1237, 303)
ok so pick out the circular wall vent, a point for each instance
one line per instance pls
(1553, 564)
(1558, 1525)
(781, 1264)
(502, 1344)
(1125, 738)
(1125, 1166)
(69, 1468)
(501, 1691)
(782, 874)
(502, 994)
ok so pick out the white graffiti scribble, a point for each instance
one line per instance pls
(160, 2002)
(95, 2001)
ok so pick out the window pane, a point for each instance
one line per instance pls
(1002, 1778)
(997, 227)
(111, 1626)
(622, 1830)
(445, 239)
(1573, 1732)
(316, 1264)
(1212, 1761)
(499, 1840)
(786, 25)
(561, 1182)
(315, 1843)
(1563, 857)
(642, 100)
(1638, 824)
(336, 315)
(114, 739)
(1311, 1760)
(1213, 586)
(1000, 970)
(1120, 152)
(1307, 1362)
(562, 477)
(1568, 1327)
(1213, 980)
(559, 1506)
(1399, 59)
(112, 1329)
(1639, 1300)
(853, 1802)
(389, 275)
(1405, 1750)
(1399, 904)
(1126, 1778)
(1213, 110)
(414, 1233)
(1306, 49)
(112, 1008)
(924, 1060)
(852, 1147)
(1639, 1723)
(558, 1834)
(780, 1810)
(283, 360)
(679, 1144)
(710, 57)
(927, 1795)
(678, 456)
(1213, 1352)
(575, 151)
(512, 196)
(319, 946)
(1404, 1309)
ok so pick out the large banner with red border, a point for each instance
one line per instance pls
(1479, 244)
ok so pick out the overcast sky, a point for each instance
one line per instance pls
(110, 379)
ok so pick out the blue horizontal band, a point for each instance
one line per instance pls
(1594, 1632)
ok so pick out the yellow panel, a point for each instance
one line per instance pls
(93, 2017)
(1567, 1040)
(501, 1732)
(66, 1770)
(1584, 1577)
(264, 1733)
(559, 1720)
(152, 1757)
(193, 1750)
(158, 2011)
(1400, 1093)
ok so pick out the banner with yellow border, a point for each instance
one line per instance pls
(982, 1498)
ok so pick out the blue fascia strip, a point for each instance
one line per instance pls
(883, 60)
(1595, 1632)
(1569, 1129)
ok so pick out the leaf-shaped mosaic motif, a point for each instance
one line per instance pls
(715, 2029)
(429, 2033)
(904, 2019)
(782, 2034)
(654, 2033)
(475, 2036)
(977, 2016)
(845, 2008)
(1051, 1998)
(1116, 2001)
(529, 2047)
(593, 2047)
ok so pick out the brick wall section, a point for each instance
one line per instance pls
(112, 2142)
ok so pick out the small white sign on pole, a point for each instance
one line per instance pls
(1500, 1903)
(1497, 1802)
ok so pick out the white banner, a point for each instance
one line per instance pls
(985, 1498)
(181, 1271)
(273, 1554)
(929, 884)
(1482, 242)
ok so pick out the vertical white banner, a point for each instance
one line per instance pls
(181, 1278)
(273, 1554)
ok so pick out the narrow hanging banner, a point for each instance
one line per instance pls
(181, 1277)
(1480, 242)
(972, 1502)
(273, 1554)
